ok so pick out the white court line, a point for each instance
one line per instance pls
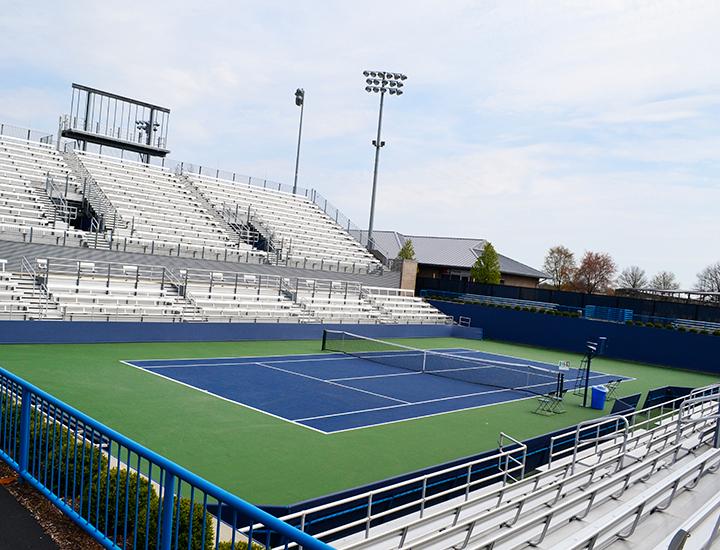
(335, 357)
(332, 383)
(449, 398)
(419, 417)
(206, 392)
(408, 373)
(306, 355)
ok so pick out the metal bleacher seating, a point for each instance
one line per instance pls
(302, 233)
(155, 212)
(644, 481)
(403, 306)
(336, 302)
(113, 292)
(240, 297)
(76, 289)
(27, 213)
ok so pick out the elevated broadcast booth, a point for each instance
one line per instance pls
(110, 120)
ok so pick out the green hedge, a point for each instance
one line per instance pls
(649, 324)
(79, 472)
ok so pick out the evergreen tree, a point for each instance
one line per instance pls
(407, 252)
(487, 267)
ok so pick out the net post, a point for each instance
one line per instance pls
(424, 363)
(324, 340)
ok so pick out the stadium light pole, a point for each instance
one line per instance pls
(300, 102)
(380, 82)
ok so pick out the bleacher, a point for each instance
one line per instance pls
(113, 292)
(632, 480)
(240, 297)
(330, 301)
(76, 289)
(139, 208)
(27, 213)
(403, 306)
(11, 304)
(302, 233)
(158, 214)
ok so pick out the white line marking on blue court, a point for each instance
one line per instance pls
(240, 403)
(436, 400)
(332, 383)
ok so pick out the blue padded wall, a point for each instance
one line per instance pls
(92, 332)
(684, 350)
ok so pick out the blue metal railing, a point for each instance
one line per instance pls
(121, 493)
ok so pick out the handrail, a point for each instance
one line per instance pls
(67, 213)
(92, 191)
(558, 476)
(688, 405)
(653, 414)
(26, 267)
(425, 481)
(174, 475)
(597, 422)
(586, 497)
(520, 462)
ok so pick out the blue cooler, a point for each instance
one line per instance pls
(599, 395)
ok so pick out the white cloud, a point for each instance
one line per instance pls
(528, 123)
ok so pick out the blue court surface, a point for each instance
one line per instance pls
(334, 392)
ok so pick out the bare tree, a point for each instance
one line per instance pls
(560, 265)
(708, 280)
(632, 277)
(595, 272)
(665, 280)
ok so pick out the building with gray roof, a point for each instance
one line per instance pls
(452, 257)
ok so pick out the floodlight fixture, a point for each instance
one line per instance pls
(380, 82)
(300, 102)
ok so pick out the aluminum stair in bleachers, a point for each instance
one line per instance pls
(658, 455)
(154, 212)
(307, 237)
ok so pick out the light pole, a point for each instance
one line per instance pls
(380, 82)
(300, 102)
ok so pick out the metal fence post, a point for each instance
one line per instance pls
(24, 432)
(167, 511)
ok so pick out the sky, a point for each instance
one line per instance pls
(527, 123)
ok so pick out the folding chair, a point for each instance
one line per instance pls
(612, 387)
(550, 404)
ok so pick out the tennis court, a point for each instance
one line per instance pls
(366, 382)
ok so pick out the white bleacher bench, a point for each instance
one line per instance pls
(624, 519)
(692, 529)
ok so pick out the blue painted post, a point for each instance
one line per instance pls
(24, 432)
(167, 511)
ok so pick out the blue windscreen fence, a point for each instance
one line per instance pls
(121, 493)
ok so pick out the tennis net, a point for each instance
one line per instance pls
(486, 372)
